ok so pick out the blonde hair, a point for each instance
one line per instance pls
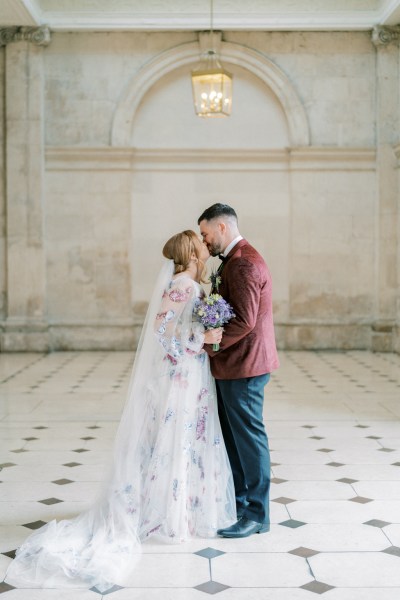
(180, 249)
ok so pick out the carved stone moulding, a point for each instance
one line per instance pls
(39, 36)
(383, 35)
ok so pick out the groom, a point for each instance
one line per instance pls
(243, 365)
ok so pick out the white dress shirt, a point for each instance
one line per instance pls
(231, 245)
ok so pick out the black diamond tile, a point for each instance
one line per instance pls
(394, 550)
(373, 437)
(377, 523)
(362, 426)
(324, 450)
(308, 426)
(8, 464)
(30, 439)
(89, 437)
(317, 587)
(303, 552)
(211, 587)
(283, 500)
(335, 464)
(19, 450)
(111, 590)
(274, 464)
(4, 587)
(40, 427)
(10, 554)
(209, 553)
(80, 450)
(93, 427)
(35, 524)
(316, 437)
(292, 523)
(62, 481)
(386, 450)
(72, 464)
(360, 500)
(347, 480)
(396, 464)
(277, 480)
(49, 501)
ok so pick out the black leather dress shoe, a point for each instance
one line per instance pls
(243, 528)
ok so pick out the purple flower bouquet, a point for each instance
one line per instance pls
(213, 311)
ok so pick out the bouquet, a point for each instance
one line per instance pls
(213, 311)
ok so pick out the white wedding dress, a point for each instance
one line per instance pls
(170, 476)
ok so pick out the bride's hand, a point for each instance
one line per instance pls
(213, 336)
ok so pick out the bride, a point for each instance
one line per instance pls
(170, 476)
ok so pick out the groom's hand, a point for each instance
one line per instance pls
(213, 336)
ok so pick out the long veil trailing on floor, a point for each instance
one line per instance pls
(101, 546)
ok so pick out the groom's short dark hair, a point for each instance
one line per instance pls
(217, 210)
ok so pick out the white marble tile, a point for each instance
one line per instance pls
(300, 457)
(344, 511)
(164, 571)
(40, 594)
(363, 593)
(357, 569)
(366, 456)
(4, 562)
(241, 593)
(11, 536)
(369, 472)
(390, 442)
(309, 472)
(393, 534)
(157, 594)
(382, 490)
(312, 490)
(263, 570)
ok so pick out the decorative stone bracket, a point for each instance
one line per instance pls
(383, 36)
(40, 36)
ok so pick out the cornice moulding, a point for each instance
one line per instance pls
(128, 21)
(164, 16)
(178, 159)
(390, 13)
(333, 158)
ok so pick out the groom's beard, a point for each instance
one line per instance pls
(214, 250)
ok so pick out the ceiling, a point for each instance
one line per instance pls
(194, 15)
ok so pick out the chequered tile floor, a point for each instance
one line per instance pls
(334, 426)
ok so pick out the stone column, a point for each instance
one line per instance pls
(396, 340)
(25, 326)
(386, 40)
(3, 256)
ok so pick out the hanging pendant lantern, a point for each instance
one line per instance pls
(211, 83)
(212, 88)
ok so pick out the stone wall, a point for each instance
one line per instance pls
(106, 160)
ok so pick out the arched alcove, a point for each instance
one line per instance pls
(165, 117)
(188, 54)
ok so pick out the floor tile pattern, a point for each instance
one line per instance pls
(333, 420)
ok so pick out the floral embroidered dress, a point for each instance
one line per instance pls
(170, 476)
(187, 485)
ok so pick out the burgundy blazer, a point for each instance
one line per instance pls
(248, 343)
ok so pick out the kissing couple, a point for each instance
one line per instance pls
(191, 456)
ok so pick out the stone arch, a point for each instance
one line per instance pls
(188, 53)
